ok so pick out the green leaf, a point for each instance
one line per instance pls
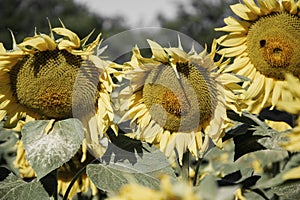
(246, 143)
(288, 190)
(143, 168)
(49, 146)
(208, 189)
(271, 137)
(111, 179)
(14, 188)
(293, 162)
(142, 159)
(8, 138)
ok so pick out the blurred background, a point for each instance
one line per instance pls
(195, 18)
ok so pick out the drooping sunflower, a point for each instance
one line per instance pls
(177, 100)
(265, 44)
(48, 78)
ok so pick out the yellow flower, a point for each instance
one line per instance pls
(65, 172)
(292, 106)
(48, 78)
(265, 44)
(168, 190)
(293, 138)
(177, 100)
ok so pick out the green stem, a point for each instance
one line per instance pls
(197, 171)
(185, 166)
(77, 175)
(55, 194)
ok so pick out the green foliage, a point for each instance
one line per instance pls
(199, 19)
(143, 168)
(49, 149)
(8, 139)
(15, 188)
(209, 183)
(22, 17)
(252, 159)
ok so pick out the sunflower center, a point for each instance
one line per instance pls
(274, 45)
(44, 82)
(182, 104)
(172, 105)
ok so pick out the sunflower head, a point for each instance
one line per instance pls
(180, 103)
(273, 45)
(265, 44)
(43, 77)
(175, 99)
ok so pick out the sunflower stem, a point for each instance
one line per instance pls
(197, 171)
(185, 166)
(55, 194)
(77, 175)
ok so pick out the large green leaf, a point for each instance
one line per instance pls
(208, 189)
(14, 188)
(288, 190)
(136, 156)
(148, 165)
(110, 178)
(271, 138)
(48, 146)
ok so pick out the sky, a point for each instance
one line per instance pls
(137, 13)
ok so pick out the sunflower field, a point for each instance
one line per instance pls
(150, 114)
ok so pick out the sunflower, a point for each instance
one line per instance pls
(177, 100)
(48, 78)
(265, 44)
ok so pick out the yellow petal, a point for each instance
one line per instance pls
(233, 51)
(157, 51)
(238, 64)
(256, 87)
(39, 42)
(49, 41)
(263, 7)
(269, 84)
(244, 12)
(293, 173)
(293, 84)
(67, 45)
(94, 44)
(291, 107)
(227, 78)
(2, 49)
(272, 5)
(69, 34)
(178, 55)
(234, 25)
(231, 40)
(252, 6)
(276, 93)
